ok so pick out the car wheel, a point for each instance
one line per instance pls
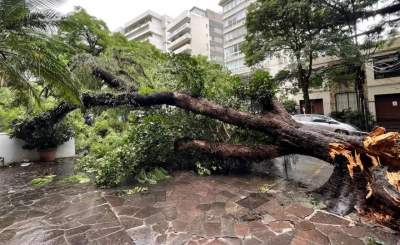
(339, 131)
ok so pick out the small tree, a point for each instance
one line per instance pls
(293, 28)
(84, 32)
(356, 43)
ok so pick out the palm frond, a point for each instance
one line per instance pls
(28, 53)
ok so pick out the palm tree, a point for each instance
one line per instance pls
(28, 53)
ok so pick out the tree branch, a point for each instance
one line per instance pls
(259, 152)
(111, 80)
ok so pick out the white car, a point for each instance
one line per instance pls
(313, 121)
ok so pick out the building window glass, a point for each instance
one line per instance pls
(235, 34)
(237, 18)
(346, 101)
(235, 65)
(232, 4)
(232, 51)
(387, 66)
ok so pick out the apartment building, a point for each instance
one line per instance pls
(382, 89)
(197, 32)
(234, 17)
(150, 27)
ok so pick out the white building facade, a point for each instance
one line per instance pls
(197, 32)
(150, 27)
(234, 17)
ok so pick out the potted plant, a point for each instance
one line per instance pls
(44, 138)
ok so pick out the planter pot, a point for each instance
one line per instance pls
(47, 155)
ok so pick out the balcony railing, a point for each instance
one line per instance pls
(184, 49)
(180, 41)
(183, 28)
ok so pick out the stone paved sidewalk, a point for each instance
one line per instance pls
(187, 209)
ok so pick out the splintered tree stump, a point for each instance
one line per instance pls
(374, 172)
(367, 169)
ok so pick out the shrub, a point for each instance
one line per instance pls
(290, 106)
(354, 118)
(39, 137)
(138, 153)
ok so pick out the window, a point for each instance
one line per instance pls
(346, 101)
(235, 65)
(217, 40)
(232, 51)
(217, 30)
(237, 18)
(235, 34)
(232, 5)
(387, 66)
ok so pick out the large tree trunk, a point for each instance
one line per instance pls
(360, 180)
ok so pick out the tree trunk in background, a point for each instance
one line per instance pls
(306, 98)
(363, 101)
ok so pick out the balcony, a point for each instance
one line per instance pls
(187, 48)
(236, 56)
(236, 9)
(180, 30)
(181, 19)
(234, 41)
(180, 41)
(235, 26)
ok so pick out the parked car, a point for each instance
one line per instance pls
(313, 121)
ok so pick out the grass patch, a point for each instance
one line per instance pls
(42, 181)
(75, 179)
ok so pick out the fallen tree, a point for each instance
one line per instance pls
(366, 175)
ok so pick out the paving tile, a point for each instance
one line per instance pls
(325, 218)
(309, 237)
(212, 229)
(299, 210)
(187, 209)
(253, 201)
(339, 238)
(280, 227)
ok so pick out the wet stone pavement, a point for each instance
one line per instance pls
(187, 209)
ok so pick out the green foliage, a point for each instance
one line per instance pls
(373, 241)
(260, 89)
(84, 32)
(122, 146)
(42, 181)
(153, 176)
(280, 27)
(266, 188)
(29, 54)
(39, 137)
(8, 110)
(75, 179)
(135, 190)
(290, 105)
(138, 152)
(354, 118)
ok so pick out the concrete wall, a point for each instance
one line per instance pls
(317, 94)
(379, 87)
(11, 150)
(200, 35)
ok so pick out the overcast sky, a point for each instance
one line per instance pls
(117, 12)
